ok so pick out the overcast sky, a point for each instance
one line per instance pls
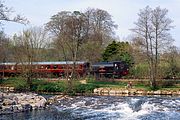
(124, 12)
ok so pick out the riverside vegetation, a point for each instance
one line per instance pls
(87, 87)
(26, 100)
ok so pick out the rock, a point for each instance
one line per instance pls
(118, 91)
(150, 92)
(112, 92)
(19, 107)
(125, 92)
(1, 107)
(27, 107)
(16, 102)
(8, 102)
(7, 108)
(158, 92)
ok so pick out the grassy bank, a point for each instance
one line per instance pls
(138, 84)
(60, 86)
(41, 86)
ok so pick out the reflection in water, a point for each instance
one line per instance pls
(107, 108)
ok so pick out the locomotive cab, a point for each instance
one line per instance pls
(114, 69)
(120, 69)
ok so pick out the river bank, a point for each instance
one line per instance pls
(20, 102)
(128, 91)
(31, 102)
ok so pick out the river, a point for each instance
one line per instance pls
(106, 108)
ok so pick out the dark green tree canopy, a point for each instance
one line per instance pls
(118, 51)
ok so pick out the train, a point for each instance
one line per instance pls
(63, 68)
(113, 69)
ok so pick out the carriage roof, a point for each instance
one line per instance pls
(46, 63)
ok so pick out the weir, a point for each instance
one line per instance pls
(108, 108)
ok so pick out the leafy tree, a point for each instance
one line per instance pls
(111, 50)
(118, 51)
(172, 57)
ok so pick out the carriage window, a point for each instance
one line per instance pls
(48, 67)
(61, 67)
(55, 66)
(12, 67)
(8, 67)
(80, 66)
(36, 67)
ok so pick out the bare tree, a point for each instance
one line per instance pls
(73, 30)
(101, 26)
(94, 25)
(28, 47)
(153, 27)
(5, 15)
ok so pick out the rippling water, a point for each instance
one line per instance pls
(107, 108)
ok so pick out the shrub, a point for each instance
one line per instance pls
(17, 82)
(85, 88)
(139, 71)
(44, 86)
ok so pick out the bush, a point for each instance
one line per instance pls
(44, 86)
(17, 82)
(139, 71)
(85, 88)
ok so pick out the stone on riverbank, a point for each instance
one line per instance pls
(18, 102)
(110, 91)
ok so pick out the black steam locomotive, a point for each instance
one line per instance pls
(115, 69)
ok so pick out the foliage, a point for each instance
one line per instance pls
(118, 51)
(45, 86)
(106, 83)
(139, 71)
(85, 88)
(18, 83)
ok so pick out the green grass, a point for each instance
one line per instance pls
(20, 84)
(108, 84)
(39, 86)
(136, 84)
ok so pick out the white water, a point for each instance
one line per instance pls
(107, 108)
(124, 109)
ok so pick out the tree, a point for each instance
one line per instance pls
(153, 27)
(28, 47)
(118, 51)
(100, 26)
(172, 57)
(4, 43)
(111, 50)
(89, 27)
(5, 15)
(74, 30)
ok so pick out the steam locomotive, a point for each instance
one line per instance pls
(115, 69)
(81, 68)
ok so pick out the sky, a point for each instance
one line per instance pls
(124, 12)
